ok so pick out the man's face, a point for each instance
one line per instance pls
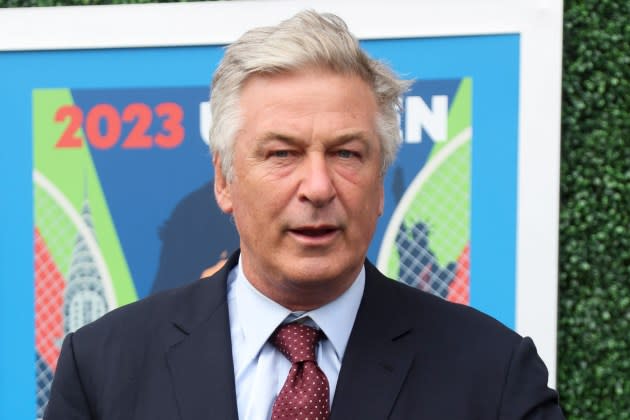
(307, 187)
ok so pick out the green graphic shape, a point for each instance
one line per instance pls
(72, 172)
(449, 223)
(443, 200)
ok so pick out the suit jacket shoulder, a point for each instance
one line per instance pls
(164, 357)
(414, 355)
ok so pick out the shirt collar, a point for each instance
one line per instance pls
(336, 318)
(259, 316)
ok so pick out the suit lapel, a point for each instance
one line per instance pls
(376, 360)
(200, 355)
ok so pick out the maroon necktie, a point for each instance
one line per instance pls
(304, 394)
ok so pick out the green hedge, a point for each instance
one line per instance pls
(594, 289)
(39, 3)
(594, 281)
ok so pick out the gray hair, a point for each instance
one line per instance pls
(307, 39)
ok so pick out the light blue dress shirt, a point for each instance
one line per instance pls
(259, 369)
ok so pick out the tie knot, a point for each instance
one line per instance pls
(296, 341)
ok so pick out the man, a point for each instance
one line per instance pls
(305, 126)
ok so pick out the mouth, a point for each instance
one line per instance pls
(315, 233)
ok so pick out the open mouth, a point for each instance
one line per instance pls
(315, 232)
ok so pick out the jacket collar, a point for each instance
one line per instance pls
(373, 369)
(199, 356)
(378, 357)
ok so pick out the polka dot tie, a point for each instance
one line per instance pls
(304, 395)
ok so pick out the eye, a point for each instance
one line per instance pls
(279, 153)
(347, 154)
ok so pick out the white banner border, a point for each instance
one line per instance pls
(539, 24)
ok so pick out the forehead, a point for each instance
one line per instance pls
(308, 93)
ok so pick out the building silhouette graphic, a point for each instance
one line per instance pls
(84, 295)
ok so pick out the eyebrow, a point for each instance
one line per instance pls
(291, 140)
(273, 136)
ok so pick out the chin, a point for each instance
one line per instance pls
(321, 271)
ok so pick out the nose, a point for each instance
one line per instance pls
(316, 186)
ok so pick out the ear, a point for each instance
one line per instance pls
(222, 188)
(381, 197)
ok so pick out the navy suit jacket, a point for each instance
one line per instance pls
(410, 356)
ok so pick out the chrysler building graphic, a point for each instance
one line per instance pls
(84, 297)
(66, 298)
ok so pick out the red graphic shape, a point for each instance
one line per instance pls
(459, 289)
(70, 138)
(49, 287)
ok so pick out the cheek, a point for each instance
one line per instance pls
(241, 205)
(258, 202)
(349, 175)
(373, 202)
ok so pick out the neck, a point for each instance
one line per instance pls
(302, 294)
